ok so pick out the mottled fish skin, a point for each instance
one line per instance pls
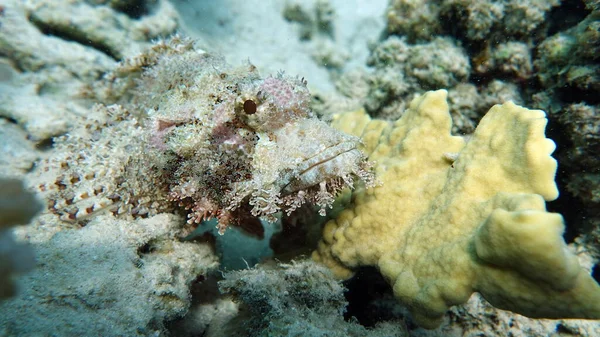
(189, 132)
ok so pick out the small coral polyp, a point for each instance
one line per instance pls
(191, 133)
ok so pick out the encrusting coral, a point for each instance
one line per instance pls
(455, 216)
(297, 299)
(114, 277)
(193, 134)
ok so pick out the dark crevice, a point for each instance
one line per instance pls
(567, 204)
(569, 94)
(364, 291)
(10, 120)
(70, 34)
(45, 144)
(204, 290)
(567, 15)
(569, 207)
(135, 9)
(481, 81)
(450, 20)
(147, 248)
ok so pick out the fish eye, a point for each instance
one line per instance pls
(249, 107)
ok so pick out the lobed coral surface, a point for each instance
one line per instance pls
(456, 216)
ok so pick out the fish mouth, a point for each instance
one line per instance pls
(333, 161)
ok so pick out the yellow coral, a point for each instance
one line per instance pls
(455, 216)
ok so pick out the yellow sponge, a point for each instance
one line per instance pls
(455, 216)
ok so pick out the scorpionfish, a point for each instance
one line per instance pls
(178, 130)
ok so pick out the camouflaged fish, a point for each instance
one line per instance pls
(192, 134)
